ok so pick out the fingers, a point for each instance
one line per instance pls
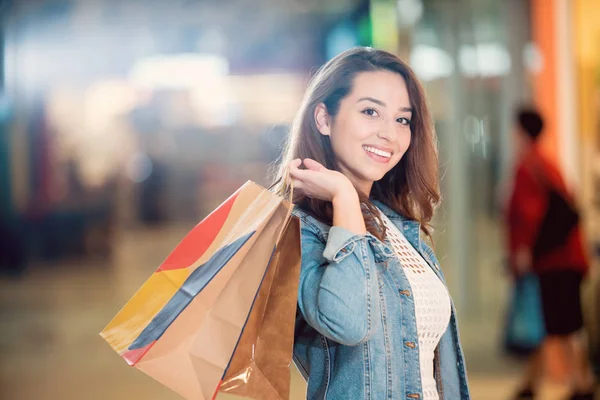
(293, 168)
(309, 163)
(297, 174)
(300, 187)
(304, 177)
(295, 163)
(313, 165)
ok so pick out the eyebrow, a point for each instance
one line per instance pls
(381, 103)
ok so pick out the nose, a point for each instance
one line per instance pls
(388, 131)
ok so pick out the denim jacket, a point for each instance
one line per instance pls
(356, 332)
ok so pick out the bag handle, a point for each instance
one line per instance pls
(289, 182)
(291, 185)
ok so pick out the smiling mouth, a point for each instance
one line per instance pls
(377, 152)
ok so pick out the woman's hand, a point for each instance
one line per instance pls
(318, 182)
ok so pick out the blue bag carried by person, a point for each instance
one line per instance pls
(525, 322)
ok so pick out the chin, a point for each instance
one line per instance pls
(376, 177)
(373, 177)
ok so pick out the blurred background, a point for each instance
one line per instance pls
(124, 123)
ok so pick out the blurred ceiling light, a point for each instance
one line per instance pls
(533, 59)
(485, 60)
(409, 12)
(431, 63)
(178, 70)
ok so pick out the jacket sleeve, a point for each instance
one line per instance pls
(338, 293)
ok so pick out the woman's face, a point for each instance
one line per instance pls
(371, 131)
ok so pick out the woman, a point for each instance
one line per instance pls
(560, 267)
(375, 319)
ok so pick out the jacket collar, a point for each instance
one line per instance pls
(391, 214)
(409, 227)
(412, 232)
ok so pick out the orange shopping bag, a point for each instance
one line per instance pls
(185, 323)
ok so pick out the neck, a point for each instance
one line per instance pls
(364, 188)
(360, 186)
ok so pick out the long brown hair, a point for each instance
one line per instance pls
(411, 188)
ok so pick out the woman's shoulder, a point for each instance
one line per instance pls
(310, 224)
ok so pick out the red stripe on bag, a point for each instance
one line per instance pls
(199, 239)
(133, 356)
(217, 390)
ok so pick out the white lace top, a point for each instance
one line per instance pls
(432, 304)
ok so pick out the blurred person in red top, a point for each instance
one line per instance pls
(560, 268)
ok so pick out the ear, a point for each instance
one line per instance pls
(322, 120)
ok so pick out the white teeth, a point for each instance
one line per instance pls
(377, 151)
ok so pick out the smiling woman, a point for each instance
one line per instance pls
(367, 98)
(375, 319)
(372, 121)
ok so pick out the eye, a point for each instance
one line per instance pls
(404, 121)
(371, 112)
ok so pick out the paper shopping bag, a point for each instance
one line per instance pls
(260, 366)
(183, 325)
